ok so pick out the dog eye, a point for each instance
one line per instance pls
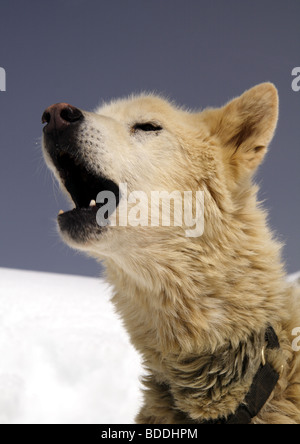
(147, 127)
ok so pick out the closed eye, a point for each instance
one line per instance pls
(147, 127)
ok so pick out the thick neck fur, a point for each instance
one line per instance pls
(187, 295)
(190, 306)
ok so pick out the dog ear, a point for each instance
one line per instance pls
(245, 127)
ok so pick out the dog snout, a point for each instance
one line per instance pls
(60, 116)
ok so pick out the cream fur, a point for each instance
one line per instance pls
(196, 308)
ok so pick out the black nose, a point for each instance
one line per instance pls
(60, 116)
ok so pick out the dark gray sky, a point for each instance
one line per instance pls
(199, 53)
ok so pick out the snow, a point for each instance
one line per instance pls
(294, 278)
(64, 355)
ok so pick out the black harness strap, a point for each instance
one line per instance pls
(262, 386)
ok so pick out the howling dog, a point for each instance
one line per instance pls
(208, 309)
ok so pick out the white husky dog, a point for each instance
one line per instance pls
(207, 307)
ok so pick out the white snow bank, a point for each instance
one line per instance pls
(64, 356)
(294, 278)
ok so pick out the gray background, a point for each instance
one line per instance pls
(197, 52)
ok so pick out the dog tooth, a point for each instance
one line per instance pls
(61, 212)
(93, 203)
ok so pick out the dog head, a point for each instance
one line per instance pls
(148, 144)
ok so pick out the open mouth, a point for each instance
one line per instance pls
(83, 186)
